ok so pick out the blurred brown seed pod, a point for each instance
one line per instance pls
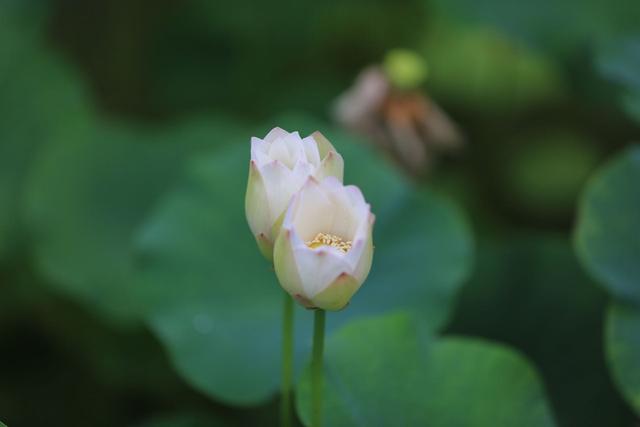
(405, 123)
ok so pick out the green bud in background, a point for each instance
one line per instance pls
(406, 69)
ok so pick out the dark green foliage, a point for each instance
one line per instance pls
(391, 371)
(623, 350)
(608, 242)
(555, 316)
(132, 292)
(608, 228)
(619, 62)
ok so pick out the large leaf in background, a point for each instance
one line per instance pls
(89, 192)
(608, 243)
(203, 55)
(183, 420)
(566, 156)
(619, 62)
(623, 350)
(215, 303)
(530, 292)
(39, 96)
(581, 21)
(608, 229)
(390, 371)
(473, 66)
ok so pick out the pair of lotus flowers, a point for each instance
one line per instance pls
(317, 231)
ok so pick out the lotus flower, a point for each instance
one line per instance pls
(324, 249)
(280, 165)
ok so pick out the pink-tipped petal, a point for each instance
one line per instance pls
(324, 146)
(318, 268)
(305, 302)
(332, 165)
(257, 203)
(314, 211)
(285, 264)
(265, 245)
(311, 151)
(363, 262)
(274, 134)
(279, 188)
(355, 195)
(337, 295)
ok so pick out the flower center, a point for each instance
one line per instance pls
(326, 239)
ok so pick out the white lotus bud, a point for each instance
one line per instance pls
(324, 249)
(280, 164)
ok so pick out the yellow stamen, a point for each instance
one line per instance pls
(325, 239)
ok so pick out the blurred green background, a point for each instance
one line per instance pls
(505, 289)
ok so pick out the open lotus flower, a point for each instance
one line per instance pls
(324, 250)
(280, 165)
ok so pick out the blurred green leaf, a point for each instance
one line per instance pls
(40, 97)
(209, 54)
(537, 23)
(215, 303)
(607, 234)
(89, 192)
(530, 292)
(27, 15)
(623, 350)
(183, 420)
(619, 62)
(391, 371)
(479, 67)
(544, 170)
(423, 253)
(632, 105)
(607, 240)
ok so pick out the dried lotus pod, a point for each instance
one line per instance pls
(405, 123)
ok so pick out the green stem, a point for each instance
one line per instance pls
(287, 360)
(316, 368)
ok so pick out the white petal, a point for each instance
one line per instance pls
(281, 184)
(314, 213)
(324, 146)
(257, 203)
(276, 176)
(308, 273)
(337, 295)
(274, 134)
(300, 174)
(364, 263)
(332, 165)
(259, 150)
(332, 184)
(344, 219)
(355, 195)
(318, 268)
(361, 247)
(258, 144)
(260, 158)
(311, 151)
(285, 264)
(295, 146)
(279, 151)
